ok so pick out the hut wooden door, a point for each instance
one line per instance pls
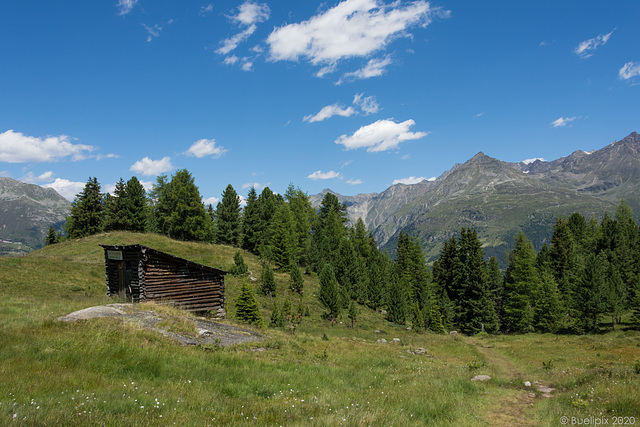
(122, 278)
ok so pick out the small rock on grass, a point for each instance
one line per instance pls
(481, 378)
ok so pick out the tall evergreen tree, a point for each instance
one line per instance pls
(302, 214)
(282, 239)
(521, 287)
(228, 218)
(136, 205)
(268, 281)
(496, 285)
(590, 287)
(86, 216)
(397, 300)
(296, 282)
(251, 226)
(115, 212)
(187, 219)
(548, 313)
(51, 236)
(329, 293)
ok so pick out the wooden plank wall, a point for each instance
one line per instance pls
(132, 258)
(188, 288)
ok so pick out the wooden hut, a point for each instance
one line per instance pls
(144, 274)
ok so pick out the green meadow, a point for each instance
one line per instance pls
(108, 372)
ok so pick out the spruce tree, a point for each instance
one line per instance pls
(496, 285)
(268, 281)
(136, 205)
(239, 266)
(296, 282)
(521, 287)
(548, 313)
(247, 306)
(591, 288)
(228, 218)
(282, 243)
(329, 293)
(352, 313)
(86, 217)
(251, 223)
(397, 300)
(51, 236)
(302, 214)
(115, 212)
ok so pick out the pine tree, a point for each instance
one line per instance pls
(286, 310)
(136, 205)
(267, 206)
(329, 293)
(496, 285)
(590, 287)
(239, 266)
(635, 303)
(615, 294)
(282, 243)
(353, 313)
(251, 223)
(474, 307)
(86, 216)
(247, 306)
(296, 283)
(376, 278)
(302, 214)
(115, 212)
(521, 287)
(397, 300)
(51, 236)
(268, 281)
(228, 218)
(548, 313)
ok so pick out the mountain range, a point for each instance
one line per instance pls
(26, 213)
(499, 198)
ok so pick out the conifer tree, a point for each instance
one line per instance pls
(548, 313)
(135, 205)
(228, 218)
(251, 226)
(239, 266)
(115, 211)
(615, 294)
(496, 285)
(286, 310)
(376, 279)
(521, 287)
(282, 243)
(296, 282)
(86, 216)
(268, 281)
(51, 236)
(329, 293)
(397, 300)
(267, 206)
(590, 287)
(352, 313)
(635, 303)
(247, 306)
(302, 214)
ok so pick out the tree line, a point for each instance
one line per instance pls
(589, 269)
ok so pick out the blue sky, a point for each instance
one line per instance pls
(352, 95)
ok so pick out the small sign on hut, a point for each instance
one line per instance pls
(143, 274)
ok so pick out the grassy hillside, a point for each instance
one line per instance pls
(106, 371)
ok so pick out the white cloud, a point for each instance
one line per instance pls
(255, 185)
(107, 156)
(323, 175)
(529, 161)
(330, 111)
(353, 28)
(380, 136)
(67, 189)
(409, 181)
(562, 121)
(16, 147)
(32, 179)
(213, 201)
(249, 14)
(629, 70)
(232, 42)
(368, 104)
(150, 167)
(125, 6)
(205, 147)
(374, 68)
(586, 48)
(152, 32)
(206, 9)
(230, 60)
(354, 181)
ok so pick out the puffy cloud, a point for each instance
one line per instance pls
(16, 147)
(368, 104)
(629, 70)
(562, 121)
(380, 136)
(330, 111)
(213, 201)
(205, 147)
(374, 68)
(354, 181)
(410, 180)
(353, 28)
(67, 189)
(125, 6)
(586, 48)
(249, 14)
(32, 179)
(323, 175)
(150, 167)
